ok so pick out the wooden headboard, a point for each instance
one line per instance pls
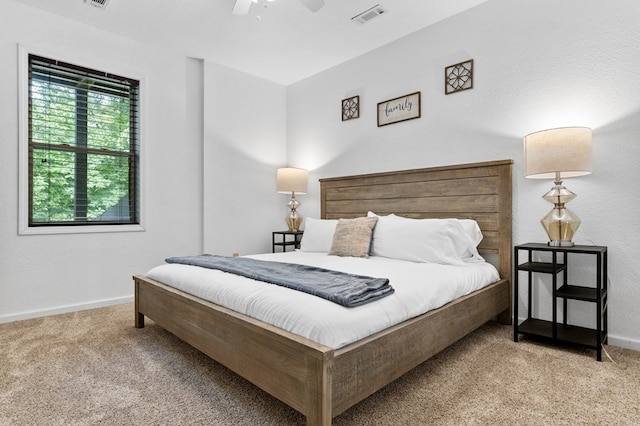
(479, 191)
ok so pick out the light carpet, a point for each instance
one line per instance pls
(94, 367)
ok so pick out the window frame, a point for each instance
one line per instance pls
(24, 227)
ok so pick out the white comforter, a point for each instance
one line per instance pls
(419, 287)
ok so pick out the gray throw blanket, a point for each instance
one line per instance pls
(345, 289)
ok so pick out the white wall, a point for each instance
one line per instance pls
(245, 139)
(42, 274)
(537, 65)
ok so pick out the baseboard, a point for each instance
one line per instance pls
(624, 342)
(65, 309)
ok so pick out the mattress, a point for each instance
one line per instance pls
(419, 288)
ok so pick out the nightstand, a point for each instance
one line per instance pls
(596, 293)
(286, 239)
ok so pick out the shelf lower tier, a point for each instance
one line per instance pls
(566, 333)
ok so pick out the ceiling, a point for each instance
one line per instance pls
(285, 44)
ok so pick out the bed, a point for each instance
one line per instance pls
(322, 382)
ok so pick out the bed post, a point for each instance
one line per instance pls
(505, 235)
(139, 318)
(319, 406)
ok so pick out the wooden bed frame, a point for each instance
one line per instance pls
(317, 380)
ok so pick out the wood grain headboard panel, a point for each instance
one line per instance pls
(480, 191)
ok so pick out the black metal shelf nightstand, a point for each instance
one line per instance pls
(561, 332)
(285, 241)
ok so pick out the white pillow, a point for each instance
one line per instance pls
(448, 241)
(318, 235)
(472, 229)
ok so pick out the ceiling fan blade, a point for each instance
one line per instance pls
(313, 5)
(241, 7)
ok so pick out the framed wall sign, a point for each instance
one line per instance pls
(350, 108)
(404, 108)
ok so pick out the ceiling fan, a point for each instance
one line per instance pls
(242, 6)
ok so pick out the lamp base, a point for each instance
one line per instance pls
(293, 219)
(561, 225)
(293, 223)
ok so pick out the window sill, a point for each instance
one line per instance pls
(80, 229)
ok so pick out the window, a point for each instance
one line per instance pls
(83, 146)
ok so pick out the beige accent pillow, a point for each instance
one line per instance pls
(352, 237)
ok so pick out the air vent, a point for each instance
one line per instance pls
(369, 14)
(102, 4)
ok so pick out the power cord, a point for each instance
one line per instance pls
(611, 359)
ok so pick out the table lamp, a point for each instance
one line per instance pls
(292, 180)
(557, 154)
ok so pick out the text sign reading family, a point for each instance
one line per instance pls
(399, 109)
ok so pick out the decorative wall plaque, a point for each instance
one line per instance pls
(351, 108)
(458, 77)
(404, 108)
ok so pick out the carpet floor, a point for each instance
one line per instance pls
(94, 367)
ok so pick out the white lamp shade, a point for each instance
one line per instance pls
(566, 150)
(290, 179)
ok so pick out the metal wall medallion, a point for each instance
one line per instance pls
(351, 108)
(458, 77)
